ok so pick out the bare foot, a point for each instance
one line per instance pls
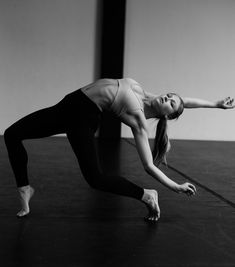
(150, 199)
(26, 192)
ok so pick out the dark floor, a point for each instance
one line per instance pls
(73, 225)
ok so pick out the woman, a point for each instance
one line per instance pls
(78, 114)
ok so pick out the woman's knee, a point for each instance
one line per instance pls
(96, 181)
(10, 135)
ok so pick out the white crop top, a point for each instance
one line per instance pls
(126, 100)
(115, 95)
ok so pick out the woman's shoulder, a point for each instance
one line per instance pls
(136, 119)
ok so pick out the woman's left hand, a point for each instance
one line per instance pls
(226, 103)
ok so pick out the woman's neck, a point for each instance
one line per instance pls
(149, 109)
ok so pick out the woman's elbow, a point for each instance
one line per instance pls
(148, 167)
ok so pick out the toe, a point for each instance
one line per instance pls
(22, 213)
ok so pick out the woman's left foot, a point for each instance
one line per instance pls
(150, 198)
(26, 192)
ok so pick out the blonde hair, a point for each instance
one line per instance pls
(161, 142)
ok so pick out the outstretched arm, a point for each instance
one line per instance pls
(226, 103)
(143, 148)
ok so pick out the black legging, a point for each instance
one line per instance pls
(78, 117)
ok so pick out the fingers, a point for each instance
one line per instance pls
(229, 102)
(190, 193)
(190, 189)
(193, 188)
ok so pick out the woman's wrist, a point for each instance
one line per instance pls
(177, 188)
(217, 104)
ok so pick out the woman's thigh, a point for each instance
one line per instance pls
(82, 140)
(41, 123)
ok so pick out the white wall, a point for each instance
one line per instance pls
(47, 49)
(186, 46)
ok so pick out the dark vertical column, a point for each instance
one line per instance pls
(112, 55)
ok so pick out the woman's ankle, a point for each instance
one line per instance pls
(148, 193)
(145, 196)
(24, 188)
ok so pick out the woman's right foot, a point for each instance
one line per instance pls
(150, 199)
(26, 192)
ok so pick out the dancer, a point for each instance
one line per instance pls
(78, 115)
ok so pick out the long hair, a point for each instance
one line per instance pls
(161, 142)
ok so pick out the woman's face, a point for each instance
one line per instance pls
(167, 104)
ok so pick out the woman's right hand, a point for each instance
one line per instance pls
(226, 103)
(188, 189)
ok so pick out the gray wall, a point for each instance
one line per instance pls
(187, 46)
(47, 49)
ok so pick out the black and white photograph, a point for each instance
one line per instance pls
(117, 133)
